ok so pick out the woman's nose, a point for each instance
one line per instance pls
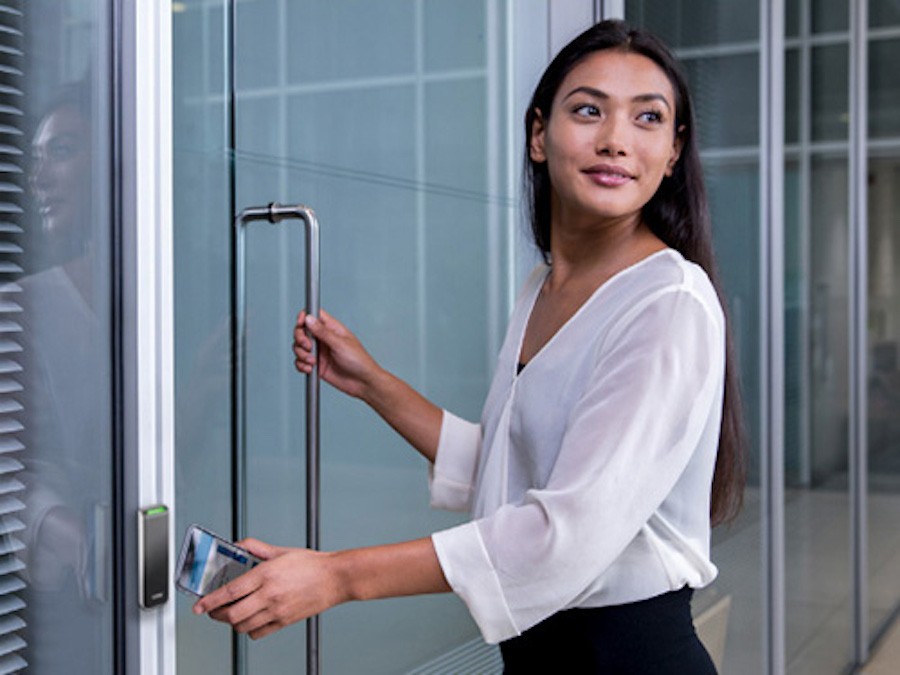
(38, 173)
(612, 138)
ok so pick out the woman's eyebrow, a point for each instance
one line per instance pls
(598, 93)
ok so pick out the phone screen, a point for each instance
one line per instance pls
(207, 562)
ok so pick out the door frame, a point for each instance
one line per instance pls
(143, 92)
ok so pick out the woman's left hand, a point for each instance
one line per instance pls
(290, 584)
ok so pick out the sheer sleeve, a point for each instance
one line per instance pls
(452, 476)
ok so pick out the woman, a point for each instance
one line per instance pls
(591, 477)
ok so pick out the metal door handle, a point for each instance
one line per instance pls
(274, 213)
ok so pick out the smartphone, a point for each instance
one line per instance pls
(207, 561)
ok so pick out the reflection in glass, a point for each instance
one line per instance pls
(696, 23)
(66, 322)
(829, 106)
(884, 89)
(884, 389)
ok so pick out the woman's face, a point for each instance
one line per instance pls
(60, 173)
(610, 138)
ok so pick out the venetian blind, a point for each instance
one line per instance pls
(12, 184)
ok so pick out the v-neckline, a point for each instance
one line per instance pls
(520, 365)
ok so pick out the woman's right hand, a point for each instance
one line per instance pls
(343, 361)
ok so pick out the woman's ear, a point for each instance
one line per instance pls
(677, 145)
(536, 147)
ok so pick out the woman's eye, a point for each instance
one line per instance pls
(587, 110)
(651, 116)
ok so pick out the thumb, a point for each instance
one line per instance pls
(325, 328)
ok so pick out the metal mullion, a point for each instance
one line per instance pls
(772, 330)
(858, 310)
(238, 459)
(805, 161)
(122, 638)
(609, 9)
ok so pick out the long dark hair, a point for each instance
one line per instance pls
(678, 214)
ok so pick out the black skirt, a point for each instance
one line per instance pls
(654, 636)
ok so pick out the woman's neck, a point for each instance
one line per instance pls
(598, 251)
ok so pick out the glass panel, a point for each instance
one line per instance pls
(792, 89)
(884, 389)
(325, 45)
(66, 289)
(792, 18)
(696, 23)
(404, 210)
(829, 16)
(727, 110)
(202, 304)
(830, 116)
(884, 89)
(449, 40)
(734, 202)
(817, 504)
(883, 13)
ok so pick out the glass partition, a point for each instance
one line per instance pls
(884, 316)
(57, 364)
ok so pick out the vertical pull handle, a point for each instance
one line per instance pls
(275, 213)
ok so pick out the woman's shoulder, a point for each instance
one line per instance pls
(669, 268)
(662, 276)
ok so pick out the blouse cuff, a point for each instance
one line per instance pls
(468, 569)
(452, 476)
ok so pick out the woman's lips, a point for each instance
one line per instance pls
(608, 175)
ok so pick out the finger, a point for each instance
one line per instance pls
(229, 593)
(255, 622)
(332, 323)
(302, 343)
(242, 613)
(268, 629)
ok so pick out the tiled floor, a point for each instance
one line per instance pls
(818, 582)
(886, 658)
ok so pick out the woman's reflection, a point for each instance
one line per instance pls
(68, 384)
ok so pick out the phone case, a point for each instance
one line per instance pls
(207, 561)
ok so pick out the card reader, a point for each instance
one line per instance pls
(153, 556)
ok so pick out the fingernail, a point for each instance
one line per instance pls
(311, 320)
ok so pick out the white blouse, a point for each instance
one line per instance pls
(589, 476)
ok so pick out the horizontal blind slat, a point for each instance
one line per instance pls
(10, 444)
(10, 604)
(10, 564)
(10, 525)
(10, 465)
(10, 504)
(11, 622)
(9, 545)
(10, 426)
(10, 485)
(12, 663)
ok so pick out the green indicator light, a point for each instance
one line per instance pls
(158, 509)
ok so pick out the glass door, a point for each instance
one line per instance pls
(386, 119)
(58, 410)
